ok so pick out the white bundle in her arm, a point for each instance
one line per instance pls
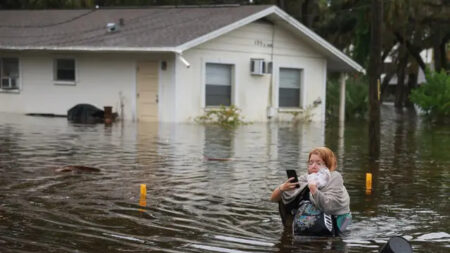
(320, 178)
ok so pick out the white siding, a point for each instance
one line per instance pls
(104, 79)
(166, 104)
(101, 80)
(252, 92)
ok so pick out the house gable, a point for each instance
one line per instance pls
(337, 61)
(262, 37)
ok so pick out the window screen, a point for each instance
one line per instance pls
(9, 73)
(289, 91)
(218, 84)
(65, 70)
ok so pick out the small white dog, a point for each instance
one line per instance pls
(321, 178)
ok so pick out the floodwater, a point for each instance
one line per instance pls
(193, 204)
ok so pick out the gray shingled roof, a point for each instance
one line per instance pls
(148, 27)
(163, 29)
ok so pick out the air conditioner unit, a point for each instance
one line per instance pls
(257, 66)
(8, 83)
(112, 27)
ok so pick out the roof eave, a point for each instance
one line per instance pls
(90, 49)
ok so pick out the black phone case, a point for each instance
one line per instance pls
(292, 173)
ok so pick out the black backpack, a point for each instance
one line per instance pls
(305, 218)
(311, 221)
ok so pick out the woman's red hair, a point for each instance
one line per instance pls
(327, 156)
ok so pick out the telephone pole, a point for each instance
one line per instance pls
(374, 77)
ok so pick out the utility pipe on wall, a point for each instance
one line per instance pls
(342, 79)
(183, 60)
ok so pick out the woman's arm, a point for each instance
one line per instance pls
(286, 186)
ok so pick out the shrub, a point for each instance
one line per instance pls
(433, 97)
(332, 100)
(225, 116)
(357, 98)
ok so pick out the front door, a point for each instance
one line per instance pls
(147, 91)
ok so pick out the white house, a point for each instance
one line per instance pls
(165, 64)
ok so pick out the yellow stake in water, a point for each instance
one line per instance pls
(143, 195)
(368, 182)
(143, 190)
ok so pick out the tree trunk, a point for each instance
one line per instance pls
(444, 58)
(281, 4)
(412, 84)
(385, 83)
(443, 52)
(374, 77)
(413, 50)
(400, 88)
(307, 13)
(437, 47)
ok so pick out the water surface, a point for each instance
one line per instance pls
(198, 205)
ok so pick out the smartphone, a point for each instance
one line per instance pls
(292, 173)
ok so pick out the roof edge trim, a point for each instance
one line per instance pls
(283, 15)
(92, 49)
(225, 29)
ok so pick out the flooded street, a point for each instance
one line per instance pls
(220, 204)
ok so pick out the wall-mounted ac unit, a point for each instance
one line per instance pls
(112, 27)
(8, 83)
(257, 66)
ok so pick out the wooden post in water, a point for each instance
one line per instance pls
(374, 75)
(374, 72)
(342, 80)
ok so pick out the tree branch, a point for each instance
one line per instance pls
(413, 50)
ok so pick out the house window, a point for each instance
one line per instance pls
(9, 73)
(218, 84)
(65, 70)
(289, 92)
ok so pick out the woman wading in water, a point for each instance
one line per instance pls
(321, 205)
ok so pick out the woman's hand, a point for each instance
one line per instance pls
(287, 185)
(312, 187)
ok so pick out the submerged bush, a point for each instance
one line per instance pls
(356, 98)
(225, 116)
(433, 97)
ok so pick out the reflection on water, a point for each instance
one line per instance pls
(195, 204)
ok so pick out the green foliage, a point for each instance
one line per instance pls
(356, 98)
(362, 39)
(225, 116)
(433, 97)
(332, 104)
(305, 116)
